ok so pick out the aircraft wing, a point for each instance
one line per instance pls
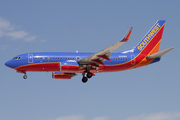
(101, 56)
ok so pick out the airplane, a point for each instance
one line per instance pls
(65, 65)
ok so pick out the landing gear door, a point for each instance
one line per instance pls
(30, 58)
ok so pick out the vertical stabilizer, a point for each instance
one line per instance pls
(151, 41)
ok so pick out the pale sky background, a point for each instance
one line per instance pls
(147, 93)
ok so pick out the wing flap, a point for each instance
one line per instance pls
(104, 57)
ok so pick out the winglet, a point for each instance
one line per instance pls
(126, 37)
(159, 54)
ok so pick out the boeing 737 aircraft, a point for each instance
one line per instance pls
(65, 65)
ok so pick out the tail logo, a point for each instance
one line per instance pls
(148, 37)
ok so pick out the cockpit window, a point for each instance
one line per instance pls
(17, 58)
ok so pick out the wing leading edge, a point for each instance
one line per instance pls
(99, 57)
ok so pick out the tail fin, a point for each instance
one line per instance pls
(151, 41)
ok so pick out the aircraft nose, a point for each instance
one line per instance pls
(9, 63)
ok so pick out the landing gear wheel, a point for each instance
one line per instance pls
(84, 79)
(89, 75)
(25, 76)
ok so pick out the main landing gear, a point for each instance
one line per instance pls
(88, 75)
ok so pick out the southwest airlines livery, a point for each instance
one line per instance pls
(65, 65)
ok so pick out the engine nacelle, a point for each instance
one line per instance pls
(60, 75)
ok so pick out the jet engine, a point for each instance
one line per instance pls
(60, 75)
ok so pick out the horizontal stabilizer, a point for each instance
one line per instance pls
(159, 54)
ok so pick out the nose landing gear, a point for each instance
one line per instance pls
(24, 72)
(25, 76)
